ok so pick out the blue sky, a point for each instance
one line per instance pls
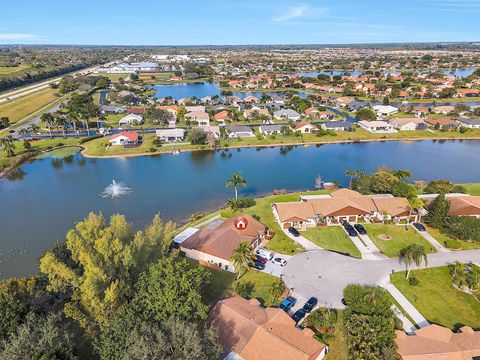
(217, 22)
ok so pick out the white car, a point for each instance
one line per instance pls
(279, 261)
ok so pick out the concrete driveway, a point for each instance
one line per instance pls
(324, 274)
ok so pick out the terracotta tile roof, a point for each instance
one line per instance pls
(258, 333)
(437, 342)
(301, 124)
(440, 121)
(291, 211)
(129, 135)
(223, 240)
(464, 205)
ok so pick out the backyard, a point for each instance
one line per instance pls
(332, 238)
(398, 236)
(437, 299)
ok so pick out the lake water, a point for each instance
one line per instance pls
(48, 196)
(199, 90)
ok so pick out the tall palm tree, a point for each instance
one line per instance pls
(416, 204)
(34, 128)
(24, 132)
(413, 254)
(8, 144)
(49, 120)
(61, 122)
(241, 256)
(235, 181)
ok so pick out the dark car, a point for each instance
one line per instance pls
(310, 304)
(419, 226)
(299, 315)
(361, 230)
(293, 231)
(260, 259)
(345, 223)
(288, 303)
(258, 265)
(351, 230)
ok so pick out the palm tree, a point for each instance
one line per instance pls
(241, 256)
(8, 144)
(49, 120)
(235, 181)
(415, 204)
(24, 132)
(413, 254)
(276, 290)
(34, 128)
(61, 122)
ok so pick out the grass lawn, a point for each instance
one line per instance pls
(400, 238)
(8, 71)
(332, 238)
(338, 347)
(437, 299)
(20, 108)
(450, 242)
(262, 286)
(472, 188)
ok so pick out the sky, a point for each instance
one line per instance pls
(237, 22)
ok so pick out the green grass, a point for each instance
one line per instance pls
(445, 240)
(400, 238)
(9, 71)
(437, 299)
(472, 188)
(332, 238)
(262, 290)
(338, 347)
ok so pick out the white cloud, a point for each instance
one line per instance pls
(293, 13)
(17, 36)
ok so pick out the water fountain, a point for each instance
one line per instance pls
(115, 190)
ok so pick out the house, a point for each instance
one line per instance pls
(211, 129)
(271, 129)
(384, 110)
(277, 99)
(468, 92)
(131, 119)
(336, 125)
(252, 332)
(287, 114)
(109, 109)
(377, 126)
(239, 131)
(215, 247)
(200, 117)
(443, 123)
(195, 108)
(340, 205)
(437, 342)
(460, 204)
(170, 135)
(343, 101)
(125, 138)
(251, 100)
(469, 123)
(234, 100)
(304, 127)
(222, 117)
(256, 112)
(407, 124)
(421, 111)
(443, 109)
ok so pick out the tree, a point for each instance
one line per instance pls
(49, 120)
(197, 136)
(438, 212)
(235, 181)
(402, 189)
(366, 114)
(102, 264)
(4, 122)
(415, 203)
(157, 116)
(386, 101)
(40, 337)
(241, 257)
(443, 186)
(413, 254)
(381, 182)
(8, 144)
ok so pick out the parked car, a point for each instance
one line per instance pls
(419, 226)
(299, 315)
(351, 230)
(260, 259)
(264, 253)
(257, 265)
(288, 303)
(293, 231)
(345, 224)
(280, 261)
(310, 304)
(361, 230)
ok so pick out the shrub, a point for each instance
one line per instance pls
(152, 149)
(89, 138)
(413, 281)
(463, 227)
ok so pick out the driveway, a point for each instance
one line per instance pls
(324, 274)
(307, 244)
(432, 240)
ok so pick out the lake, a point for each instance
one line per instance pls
(46, 197)
(199, 90)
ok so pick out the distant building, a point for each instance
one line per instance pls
(125, 68)
(125, 139)
(170, 135)
(377, 126)
(385, 110)
(239, 131)
(131, 119)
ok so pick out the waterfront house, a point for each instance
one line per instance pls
(443, 109)
(304, 127)
(277, 99)
(384, 110)
(468, 92)
(287, 114)
(460, 204)
(438, 342)
(249, 331)
(336, 125)
(442, 123)
(125, 138)
(215, 247)
(342, 205)
(272, 129)
(131, 119)
(239, 131)
(251, 100)
(409, 124)
(377, 126)
(469, 123)
(170, 135)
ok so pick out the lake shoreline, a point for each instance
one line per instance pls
(324, 142)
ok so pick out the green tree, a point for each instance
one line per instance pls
(438, 212)
(241, 256)
(197, 136)
(366, 114)
(415, 203)
(413, 254)
(49, 121)
(106, 260)
(443, 186)
(8, 144)
(381, 182)
(235, 181)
